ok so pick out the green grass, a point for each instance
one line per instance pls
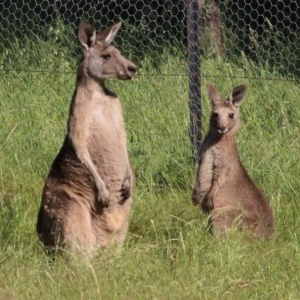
(168, 254)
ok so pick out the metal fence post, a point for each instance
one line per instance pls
(192, 8)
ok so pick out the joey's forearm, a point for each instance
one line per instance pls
(204, 178)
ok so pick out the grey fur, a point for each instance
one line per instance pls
(223, 188)
(87, 194)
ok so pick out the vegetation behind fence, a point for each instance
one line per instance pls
(267, 32)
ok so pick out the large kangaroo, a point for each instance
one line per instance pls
(87, 195)
(223, 188)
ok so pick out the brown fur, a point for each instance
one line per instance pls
(223, 188)
(87, 195)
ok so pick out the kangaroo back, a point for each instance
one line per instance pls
(223, 188)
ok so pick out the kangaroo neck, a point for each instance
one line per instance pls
(87, 84)
(223, 150)
(228, 139)
(85, 81)
(88, 90)
(225, 142)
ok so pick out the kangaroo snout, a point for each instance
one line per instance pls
(127, 72)
(221, 129)
(131, 70)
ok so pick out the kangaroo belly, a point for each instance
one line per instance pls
(107, 147)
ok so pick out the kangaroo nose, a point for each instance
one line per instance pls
(132, 69)
(221, 128)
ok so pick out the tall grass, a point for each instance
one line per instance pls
(168, 253)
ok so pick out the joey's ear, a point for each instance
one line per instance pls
(213, 94)
(237, 95)
(86, 34)
(107, 36)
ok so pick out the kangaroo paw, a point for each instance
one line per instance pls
(126, 188)
(207, 205)
(125, 192)
(195, 198)
(103, 197)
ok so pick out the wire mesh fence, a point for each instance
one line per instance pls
(263, 30)
(266, 32)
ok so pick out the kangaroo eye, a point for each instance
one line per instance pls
(231, 115)
(215, 115)
(106, 56)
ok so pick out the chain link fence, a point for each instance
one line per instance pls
(267, 32)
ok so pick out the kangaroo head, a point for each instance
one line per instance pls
(101, 60)
(225, 113)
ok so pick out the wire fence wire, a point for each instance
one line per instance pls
(267, 32)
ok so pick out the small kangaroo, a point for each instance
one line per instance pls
(223, 188)
(86, 198)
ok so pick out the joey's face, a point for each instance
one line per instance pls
(105, 61)
(224, 118)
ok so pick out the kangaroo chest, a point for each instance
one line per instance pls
(224, 161)
(96, 121)
(106, 130)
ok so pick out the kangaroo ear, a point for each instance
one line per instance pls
(108, 35)
(213, 94)
(86, 34)
(237, 95)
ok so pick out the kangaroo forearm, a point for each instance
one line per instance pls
(83, 155)
(204, 178)
(201, 188)
(87, 162)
